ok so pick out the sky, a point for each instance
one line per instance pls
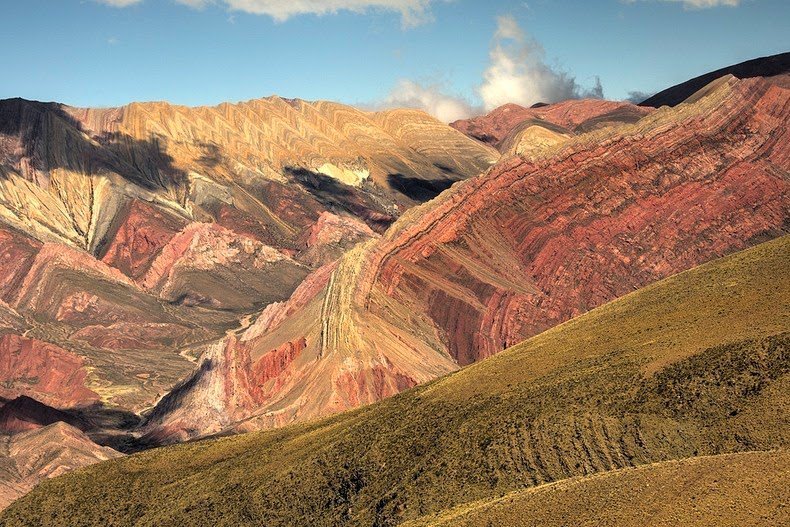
(453, 58)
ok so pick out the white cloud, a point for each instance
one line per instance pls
(637, 96)
(700, 4)
(704, 4)
(518, 72)
(430, 98)
(119, 3)
(195, 4)
(413, 12)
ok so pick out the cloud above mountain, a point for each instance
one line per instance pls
(431, 98)
(699, 4)
(517, 72)
(119, 3)
(413, 12)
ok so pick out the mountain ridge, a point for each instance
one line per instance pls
(688, 366)
(768, 66)
(533, 242)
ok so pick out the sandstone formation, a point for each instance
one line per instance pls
(272, 165)
(687, 368)
(44, 371)
(532, 243)
(245, 266)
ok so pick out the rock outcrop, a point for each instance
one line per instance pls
(131, 236)
(532, 243)
(28, 457)
(44, 371)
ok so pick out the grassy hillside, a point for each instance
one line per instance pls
(694, 365)
(730, 490)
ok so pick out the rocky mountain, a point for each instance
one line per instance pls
(535, 241)
(130, 236)
(171, 273)
(568, 118)
(28, 457)
(761, 67)
(694, 365)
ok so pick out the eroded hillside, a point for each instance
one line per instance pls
(691, 366)
(535, 241)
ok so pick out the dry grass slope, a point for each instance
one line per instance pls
(693, 365)
(730, 490)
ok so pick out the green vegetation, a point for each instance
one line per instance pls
(694, 365)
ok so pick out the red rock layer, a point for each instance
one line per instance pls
(507, 255)
(43, 371)
(17, 252)
(330, 237)
(142, 232)
(493, 127)
(362, 386)
(534, 243)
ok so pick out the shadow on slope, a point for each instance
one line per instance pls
(44, 136)
(418, 189)
(339, 197)
(692, 365)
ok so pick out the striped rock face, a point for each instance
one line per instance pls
(130, 237)
(536, 240)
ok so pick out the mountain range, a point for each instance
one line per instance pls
(527, 304)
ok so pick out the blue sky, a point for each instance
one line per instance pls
(449, 56)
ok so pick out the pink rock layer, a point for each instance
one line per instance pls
(534, 243)
(43, 371)
(494, 126)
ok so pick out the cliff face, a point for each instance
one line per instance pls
(268, 167)
(532, 243)
(538, 241)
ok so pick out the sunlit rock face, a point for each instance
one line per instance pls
(130, 237)
(538, 239)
